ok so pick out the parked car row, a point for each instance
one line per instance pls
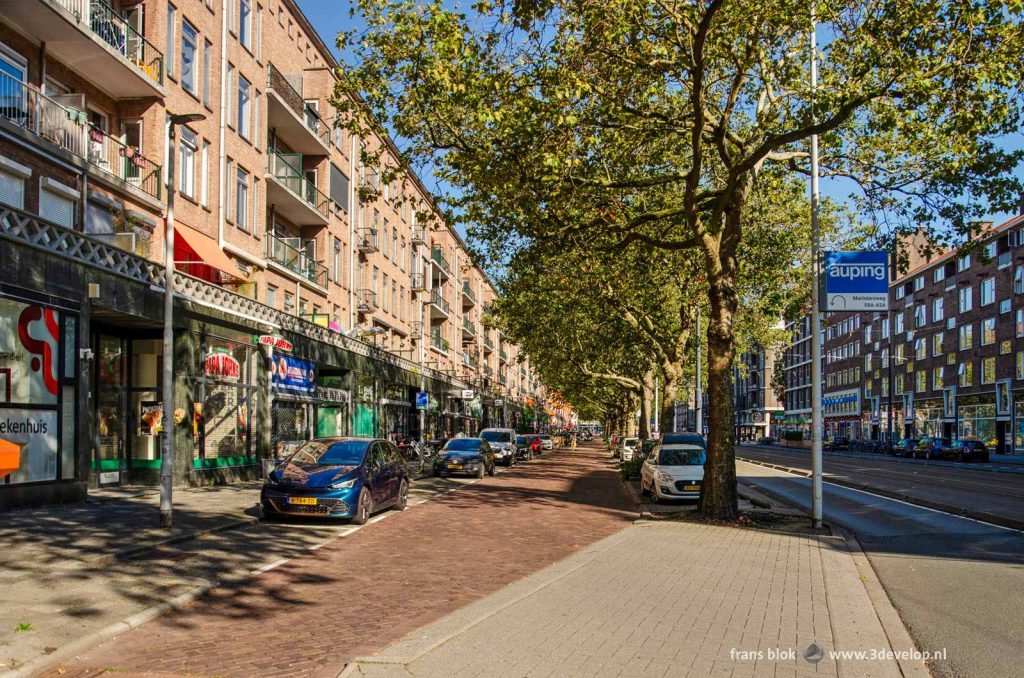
(356, 477)
(926, 447)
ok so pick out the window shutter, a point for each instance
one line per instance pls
(12, 190)
(57, 208)
(98, 219)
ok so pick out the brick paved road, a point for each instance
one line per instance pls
(359, 594)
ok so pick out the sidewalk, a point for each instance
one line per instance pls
(668, 599)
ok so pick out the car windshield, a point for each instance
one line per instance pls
(328, 453)
(496, 436)
(545, 437)
(686, 456)
(630, 441)
(462, 445)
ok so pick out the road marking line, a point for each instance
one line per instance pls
(900, 501)
(268, 568)
(378, 518)
(345, 533)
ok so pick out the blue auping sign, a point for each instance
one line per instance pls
(856, 281)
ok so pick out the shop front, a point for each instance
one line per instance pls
(364, 410)
(38, 377)
(293, 410)
(929, 418)
(1018, 423)
(225, 403)
(396, 411)
(333, 414)
(977, 420)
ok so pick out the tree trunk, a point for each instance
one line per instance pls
(646, 404)
(718, 496)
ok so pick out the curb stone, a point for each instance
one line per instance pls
(981, 516)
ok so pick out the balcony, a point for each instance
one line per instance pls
(468, 330)
(441, 268)
(468, 360)
(439, 308)
(91, 38)
(286, 258)
(367, 240)
(502, 379)
(488, 344)
(53, 123)
(488, 370)
(293, 196)
(503, 356)
(294, 121)
(419, 235)
(419, 282)
(468, 298)
(439, 343)
(367, 302)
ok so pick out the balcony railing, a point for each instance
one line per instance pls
(284, 252)
(488, 344)
(367, 301)
(69, 129)
(115, 30)
(419, 235)
(467, 325)
(438, 258)
(419, 282)
(488, 371)
(287, 168)
(468, 291)
(439, 342)
(367, 241)
(503, 355)
(468, 359)
(280, 83)
(437, 299)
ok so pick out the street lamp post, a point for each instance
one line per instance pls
(816, 414)
(167, 457)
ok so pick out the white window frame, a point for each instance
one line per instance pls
(241, 198)
(188, 145)
(207, 58)
(245, 24)
(190, 44)
(204, 170)
(172, 20)
(990, 284)
(244, 121)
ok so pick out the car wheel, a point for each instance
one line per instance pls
(961, 457)
(480, 472)
(984, 457)
(403, 497)
(643, 488)
(654, 494)
(508, 461)
(364, 506)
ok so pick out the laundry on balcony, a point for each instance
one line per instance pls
(76, 116)
(132, 155)
(199, 255)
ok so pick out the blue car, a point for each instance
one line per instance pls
(338, 478)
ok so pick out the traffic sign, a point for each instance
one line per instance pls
(422, 400)
(856, 281)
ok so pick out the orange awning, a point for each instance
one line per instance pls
(198, 254)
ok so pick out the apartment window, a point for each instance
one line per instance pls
(259, 32)
(920, 315)
(988, 331)
(187, 162)
(921, 377)
(204, 186)
(207, 55)
(990, 250)
(966, 373)
(336, 262)
(289, 303)
(988, 292)
(898, 384)
(374, 280)
(57, 203)
(256, 120)
(384, 241)
(245, 23)
(1018, 280)
(900, 291)
(919, 283)
(898, 327)
(867, 334)
(12, 187)
(937, 379)
(1004, 306)
(227, 99)
(244, 102)
(242, 199)
(271, 296)
(937, 344)
(1019, 323)
(1020, 364)
(256, 206)
(988, 370)
(966, 336)
(189, 47)
(938, 309)
(963, 263)
(939, 274)
(966, 299)
(401, 258)
(920, 349)
(339, 188)
(172, 19)
(394, 297)
(227, 189)
(885, 328)
(384, 301)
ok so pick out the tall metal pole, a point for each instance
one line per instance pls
(816, 421)
(167, 458)
(888, 315)
(699, 405)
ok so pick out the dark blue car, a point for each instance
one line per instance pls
(338, 478)
(472, 456)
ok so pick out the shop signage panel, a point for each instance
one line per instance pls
(279, 343)
(422, 400)
(220, 364)
(28, 439)
(29, 343)
(856, 281)
(498, 402)
(467, 394)
(294, 375)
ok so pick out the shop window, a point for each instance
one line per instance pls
(1020, 365)
(225, 402)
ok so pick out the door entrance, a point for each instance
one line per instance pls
(108, 463)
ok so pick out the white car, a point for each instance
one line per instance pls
(546, 442)
(673, 472)
(629, 446)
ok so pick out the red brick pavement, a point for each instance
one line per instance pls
(359, 594)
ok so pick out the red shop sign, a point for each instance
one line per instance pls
(222, 366)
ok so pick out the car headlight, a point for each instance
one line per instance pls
(664, 477)
(343, 485)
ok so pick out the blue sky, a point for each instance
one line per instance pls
(330, 16)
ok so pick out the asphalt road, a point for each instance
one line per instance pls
(991, 493)
(958, 583)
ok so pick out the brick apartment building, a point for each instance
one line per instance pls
(757, 408)
(946, 360)
(360, 295)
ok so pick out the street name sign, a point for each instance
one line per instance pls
(856, 281)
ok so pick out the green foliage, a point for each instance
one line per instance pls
(630, 470)
(23, 626)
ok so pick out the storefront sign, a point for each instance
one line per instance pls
(422, 400)
(498, 402)
(856, 281)
(222, 365)
(151, 416)
(279, 343)
(29, 341)
(467, 394)
(31, 435)
(294, 375)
